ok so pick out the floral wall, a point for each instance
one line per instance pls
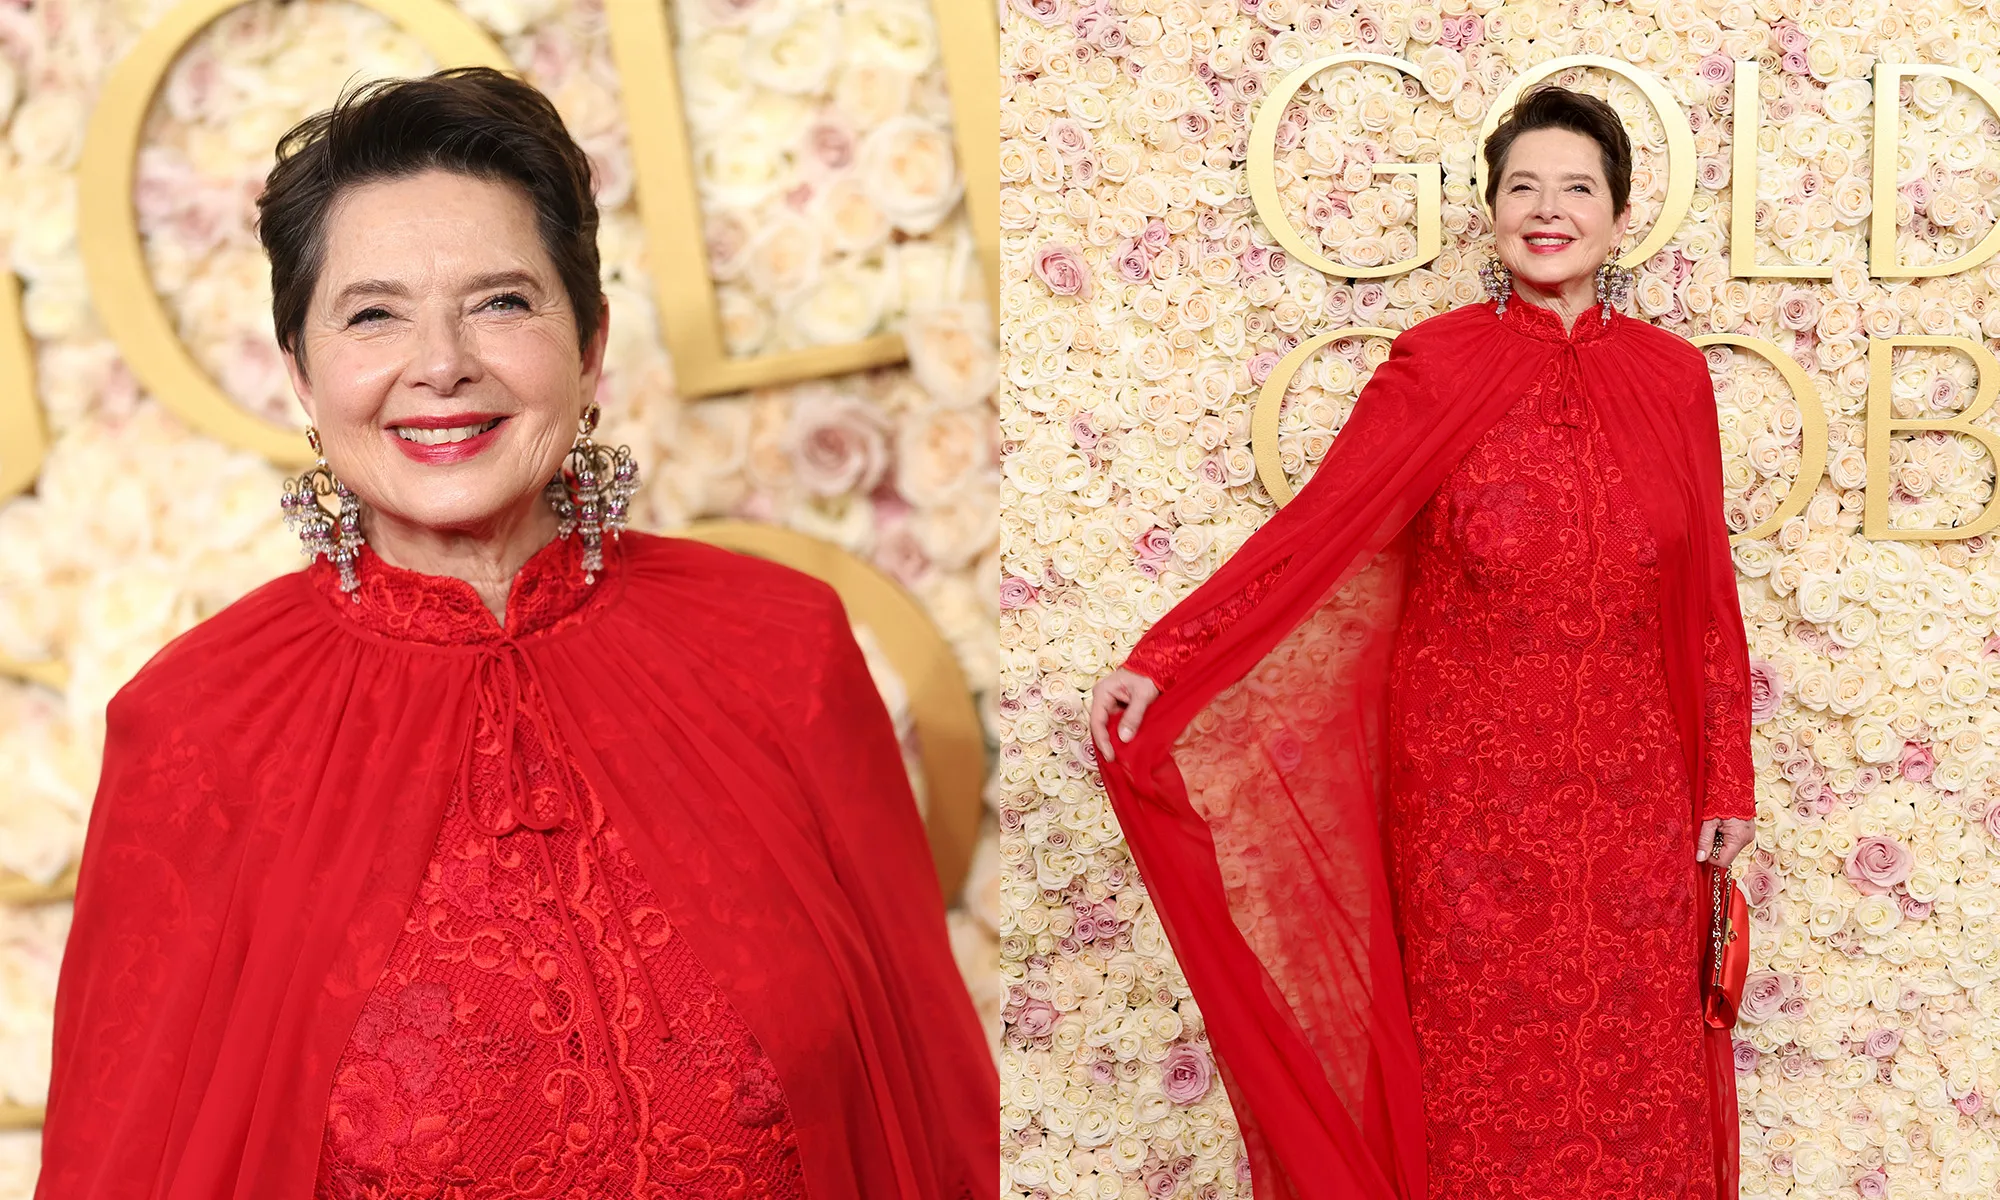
(1145, 303)
(811, 121)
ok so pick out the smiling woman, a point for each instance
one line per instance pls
(494, 850)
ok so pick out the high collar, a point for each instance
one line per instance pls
(1533, 320)
(548, 591)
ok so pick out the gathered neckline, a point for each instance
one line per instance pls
(1538, 321)
(546, 593)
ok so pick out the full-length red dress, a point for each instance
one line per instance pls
(1464, 757)
(626, 898)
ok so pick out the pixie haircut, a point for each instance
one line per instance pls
(470, 121)
(1552, 106)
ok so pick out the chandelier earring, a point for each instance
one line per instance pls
(592, 492)
(1499, 283)
(334, 536)
(1614, 288)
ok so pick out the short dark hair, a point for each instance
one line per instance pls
(1553, 106)
(471, 121)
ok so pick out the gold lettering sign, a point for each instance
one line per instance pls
(1749, 112)
(1680, 140)
(1263, 175)
(114, 261)
(1883, 424)
(1271, 399)
(950, 742)
(1812, 427)
(1888, 131)
(23, 441)
(670, 203)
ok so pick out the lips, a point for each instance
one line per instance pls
(451, 438)
(1547, 243)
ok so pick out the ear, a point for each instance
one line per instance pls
(593, 352)
(301, 384)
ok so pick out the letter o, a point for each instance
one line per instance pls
(1680, 141)
(114, 262)
(1812, 428)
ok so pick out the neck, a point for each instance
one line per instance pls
(487, 556)
(1567, 299)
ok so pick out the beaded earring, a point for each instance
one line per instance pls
(1499, 283)
(1614, 287)
(333, 536)
(593, 492)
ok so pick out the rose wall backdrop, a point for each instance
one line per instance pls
(1145, 302)
(821, 131)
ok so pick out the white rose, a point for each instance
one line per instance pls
(907, 165)
(793, 52)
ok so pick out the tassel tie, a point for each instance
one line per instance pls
(514, 772)
(1561, 400)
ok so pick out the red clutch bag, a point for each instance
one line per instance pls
(1728, 951)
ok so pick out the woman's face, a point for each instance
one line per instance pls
(1552, 219)
(440, 359)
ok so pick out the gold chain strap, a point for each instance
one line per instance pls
(1715, 924)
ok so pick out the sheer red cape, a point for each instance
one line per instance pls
(273, 784)
(1252, 794)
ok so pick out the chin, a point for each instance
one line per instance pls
(454, 508)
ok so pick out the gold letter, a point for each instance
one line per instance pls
(1882, 423)
(1888, 129)
(1680, 140)
(1263, 173)
(108, 232)
(22, 440)
(1743, 200)
(670, 203)
(1264, 419)
(950, 742)
(1812, 422)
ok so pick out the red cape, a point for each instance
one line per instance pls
(1258, 772)
(274, 781)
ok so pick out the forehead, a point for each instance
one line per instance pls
(1555, 152)
(428, 223)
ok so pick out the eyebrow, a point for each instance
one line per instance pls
(1523, 172)
(389, 287)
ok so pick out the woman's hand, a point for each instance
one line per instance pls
(1122, 691)
(1736, 834)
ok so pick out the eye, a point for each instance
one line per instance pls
(1580, 187)
(366, 315)
(507, 300)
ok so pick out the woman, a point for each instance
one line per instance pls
(492, 855)
(1435, 755)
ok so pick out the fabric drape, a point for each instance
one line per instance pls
(273, 786)
(1253, 795)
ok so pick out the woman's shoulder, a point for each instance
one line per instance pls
(220, 654)
(707, 590)
(1670, 347)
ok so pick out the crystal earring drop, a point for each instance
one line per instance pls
(1499, 283)
(334, 536)
(1614, 287)
(593, 493)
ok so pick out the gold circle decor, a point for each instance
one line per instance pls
(1680, 141)
(1271, 399)
(114, 261)
(950, 742)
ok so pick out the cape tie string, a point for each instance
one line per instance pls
(510, 709)
(1561, 402)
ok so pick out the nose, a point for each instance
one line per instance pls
(445, 356)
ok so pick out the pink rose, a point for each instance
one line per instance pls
(1877, 865)
(1037, 1019)
(1764, 993)
(1766, 691)
(1262, 364)
(1968, 1103)
(1048, 12)
(1993, 818)
(1873, 1185)
(1063, 270)
(1913, 908)
(837, 443)
(1186, 1073)
(1155, 546)
(1918, 762)
(1746, 1056)
(1881, 1043)
(1133, 263)
(1759, 886)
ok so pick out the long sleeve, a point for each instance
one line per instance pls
(878, 850)
(1725, 722)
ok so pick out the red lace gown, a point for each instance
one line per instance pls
(540, 1029)
(1541, 852)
